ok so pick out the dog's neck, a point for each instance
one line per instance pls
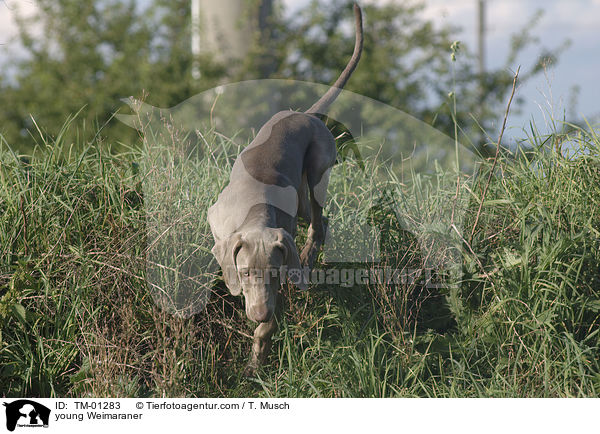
(263, 216)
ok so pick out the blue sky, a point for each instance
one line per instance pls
(548, 95)
(574, 20)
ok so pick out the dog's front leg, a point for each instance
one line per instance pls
(260, 346)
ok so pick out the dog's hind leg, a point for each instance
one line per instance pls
(304, 201)
(320, 157)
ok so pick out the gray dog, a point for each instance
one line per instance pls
(281, 175)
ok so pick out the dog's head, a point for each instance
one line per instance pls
(252, 262)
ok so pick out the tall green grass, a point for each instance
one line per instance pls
(78, 318)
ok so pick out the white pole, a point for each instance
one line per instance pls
(195, 39)
(481, 36)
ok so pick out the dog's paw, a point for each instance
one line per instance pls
(308, 256)
(305, 260)
(250, 370)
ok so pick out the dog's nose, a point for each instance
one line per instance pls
(260, 313)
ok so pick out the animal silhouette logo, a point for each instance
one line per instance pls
(396, 163)
(26, 413)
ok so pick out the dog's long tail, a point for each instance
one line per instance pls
(325, 101)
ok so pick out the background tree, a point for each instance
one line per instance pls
(407, 62)
(95, 52)
(92, 54)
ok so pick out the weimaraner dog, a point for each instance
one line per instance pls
(254, 219)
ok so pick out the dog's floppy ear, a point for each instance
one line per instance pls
(225, 251)
(290, 258)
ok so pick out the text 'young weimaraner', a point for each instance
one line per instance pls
(281, 175)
